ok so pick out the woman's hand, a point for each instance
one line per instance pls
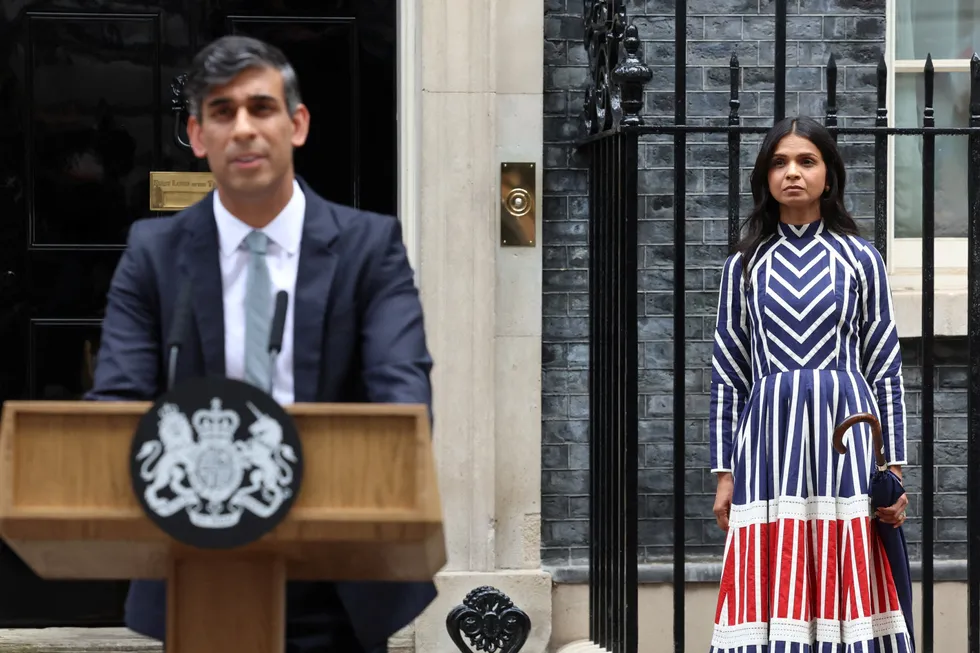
(723, 499)
(894, 514)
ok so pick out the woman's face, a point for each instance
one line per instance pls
(797, 172)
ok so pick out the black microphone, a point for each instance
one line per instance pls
(276, 333)
(178, 330)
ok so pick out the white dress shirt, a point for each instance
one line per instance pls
(285, 233)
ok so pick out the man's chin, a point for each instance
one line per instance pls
(256, 186)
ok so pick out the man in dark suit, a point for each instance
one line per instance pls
(353, 331)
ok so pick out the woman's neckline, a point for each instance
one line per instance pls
(794, 231)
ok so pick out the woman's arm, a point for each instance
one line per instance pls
(881, 355)
(731, 373)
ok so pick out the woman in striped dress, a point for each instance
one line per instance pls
(805, 338)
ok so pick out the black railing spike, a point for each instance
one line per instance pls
(882, 117)
(927, 342)
(975, 86)
(882, 75)
(929, 70)
(973, 348)
(734, 70)
(930, 76)
(734, 153)
(779, 62)
(831, 118)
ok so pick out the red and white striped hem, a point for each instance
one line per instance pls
(808, 632)
(828, 580)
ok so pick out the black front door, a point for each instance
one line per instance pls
(85, 116)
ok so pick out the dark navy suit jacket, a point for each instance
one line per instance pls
(359, 337)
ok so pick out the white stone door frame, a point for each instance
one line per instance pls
(470, 96)
(409, 125)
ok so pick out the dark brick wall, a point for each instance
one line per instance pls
(854, 31)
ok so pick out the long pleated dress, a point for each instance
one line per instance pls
(807, 342)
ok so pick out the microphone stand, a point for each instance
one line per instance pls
(172, 366)
(275, 334)
(178, 331)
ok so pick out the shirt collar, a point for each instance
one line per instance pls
(285, 230)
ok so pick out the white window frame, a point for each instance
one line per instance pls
(905, 254)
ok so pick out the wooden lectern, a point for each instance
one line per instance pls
(368, 509)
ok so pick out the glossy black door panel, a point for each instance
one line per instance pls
(62, 357)
(85, 116)
(92, 87)
(330, 94)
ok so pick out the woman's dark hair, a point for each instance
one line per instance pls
(764, 219)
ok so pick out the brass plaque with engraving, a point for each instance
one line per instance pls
(175, 191)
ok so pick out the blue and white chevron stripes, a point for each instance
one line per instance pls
(808, 341)
(817, 300)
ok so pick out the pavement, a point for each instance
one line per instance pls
(110, 640)
(76, 640)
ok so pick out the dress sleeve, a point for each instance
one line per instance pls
(731, 373)
(881, 355)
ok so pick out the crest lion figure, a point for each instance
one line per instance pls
(204, 475)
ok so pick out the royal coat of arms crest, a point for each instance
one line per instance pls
(209, 473)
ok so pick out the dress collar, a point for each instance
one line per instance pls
(795, 232)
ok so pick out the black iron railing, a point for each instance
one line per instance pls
(613, 109)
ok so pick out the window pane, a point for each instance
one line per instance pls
(952, 94)
(948, 29)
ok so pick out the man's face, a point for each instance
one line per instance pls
(247, 134)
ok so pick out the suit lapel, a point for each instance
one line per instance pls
(317, 266)
(203, 268)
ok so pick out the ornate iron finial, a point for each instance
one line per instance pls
(631, 74)
(491, 622)
(605, 29)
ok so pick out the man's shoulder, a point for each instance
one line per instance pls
(361, 231)
(164, 234)
(350, 218)
(159, 232)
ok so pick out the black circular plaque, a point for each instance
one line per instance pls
(216, 463)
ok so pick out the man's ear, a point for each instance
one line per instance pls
(301, 125)
(194, 135)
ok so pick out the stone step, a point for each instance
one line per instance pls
(76, 640)
(110, 640)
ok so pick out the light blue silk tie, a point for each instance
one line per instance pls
(258, 312)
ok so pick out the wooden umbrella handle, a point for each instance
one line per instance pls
(879, 442)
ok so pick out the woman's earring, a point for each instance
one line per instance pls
(826, 193)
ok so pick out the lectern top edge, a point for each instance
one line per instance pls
(140, 407)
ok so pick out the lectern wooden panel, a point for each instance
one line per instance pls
(368, 509)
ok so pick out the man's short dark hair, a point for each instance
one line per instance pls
(224, 59)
